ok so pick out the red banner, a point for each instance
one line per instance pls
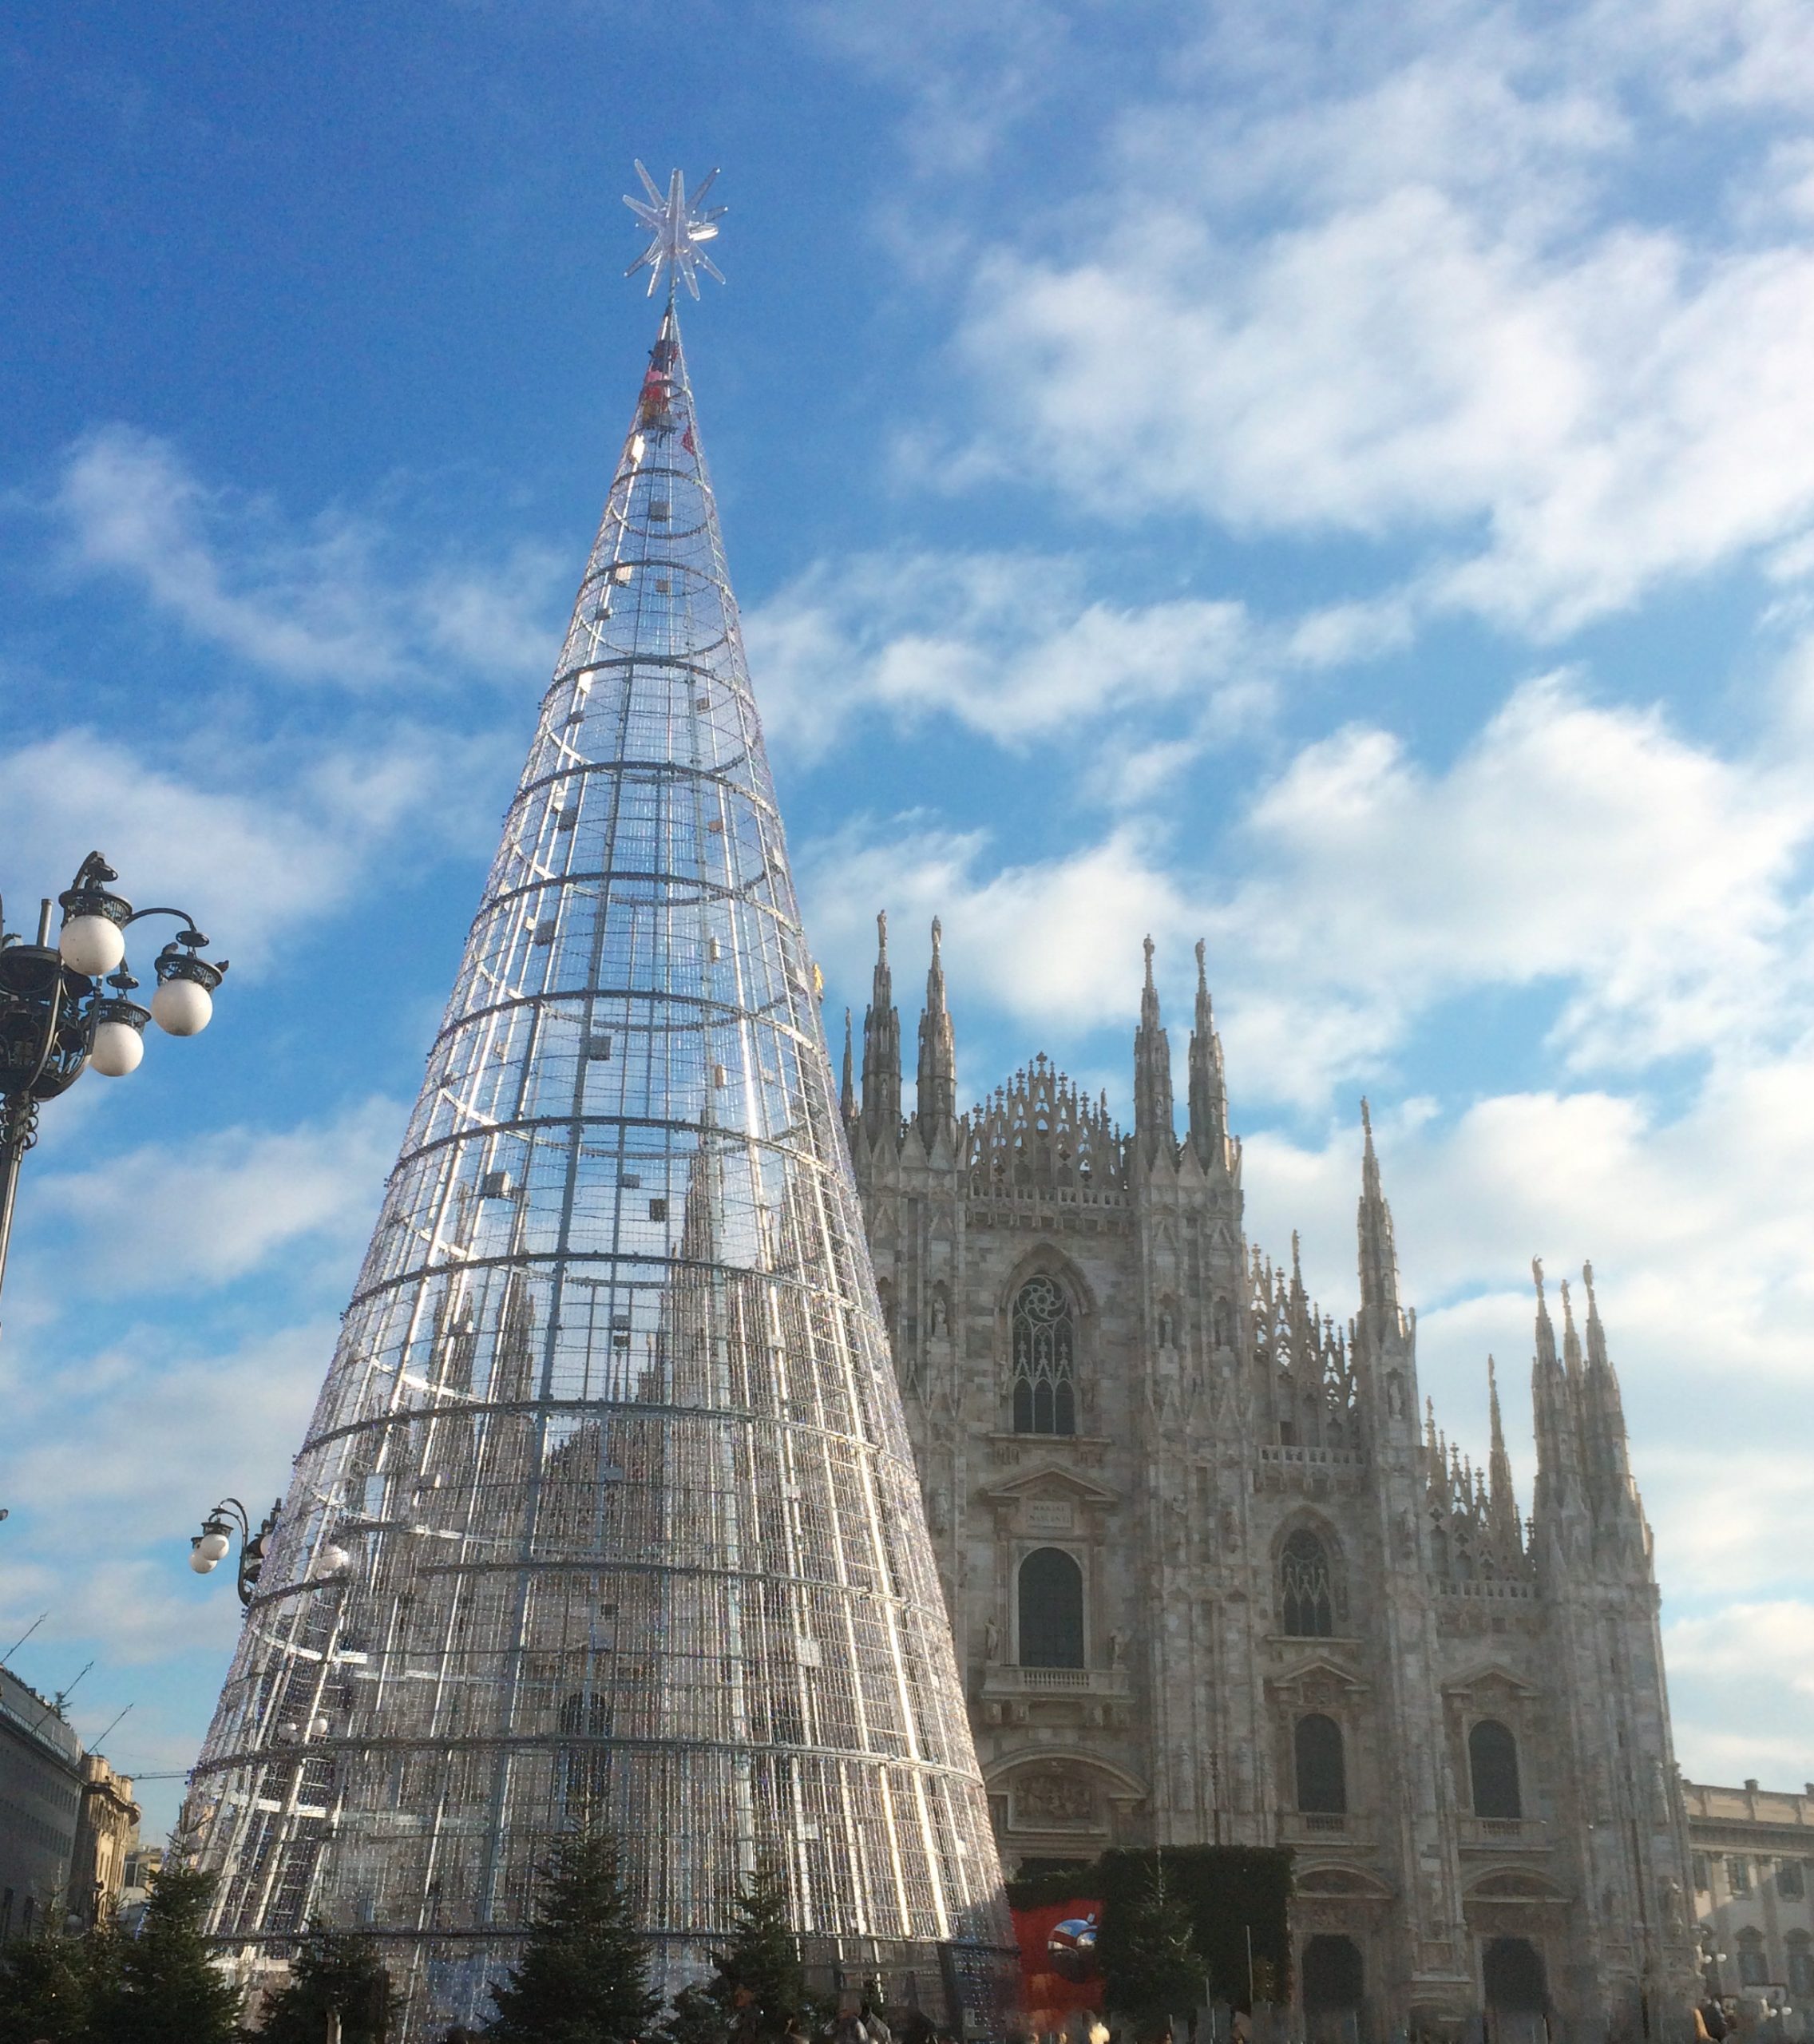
(1059, 1972)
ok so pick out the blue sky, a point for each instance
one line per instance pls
(1337, 481)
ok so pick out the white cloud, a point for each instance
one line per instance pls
(1011, 646)
(1592, 846)
(1649, 887)
(1451, 277)
(336, 601)
(249, 843)
(1056, 941)
(223, 1205)
(114, 1460)
(1741, 1683)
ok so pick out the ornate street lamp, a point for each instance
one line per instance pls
(65, 1006)
(210, 1546)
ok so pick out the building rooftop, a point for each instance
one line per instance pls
(37, 1717)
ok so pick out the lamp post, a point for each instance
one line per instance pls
(209, 1547)
(65, 1006)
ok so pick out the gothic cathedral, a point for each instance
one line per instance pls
(1213, 1579)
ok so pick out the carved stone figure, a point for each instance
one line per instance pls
(1054, 1799)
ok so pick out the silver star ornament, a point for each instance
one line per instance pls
(677, 225)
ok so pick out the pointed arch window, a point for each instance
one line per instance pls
(1044, 1335)
(1306, 1598)
(1492, 1762)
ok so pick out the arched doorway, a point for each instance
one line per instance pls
(1517, 1991)
(1334, 1983)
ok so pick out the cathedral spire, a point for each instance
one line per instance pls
(1558, 1452)
(1378, 1257)
(1502, 1502)
(1154, 1128)
(624, 1160)
(1571, 1361)
(881, 1048)
(1209, 1084)
(1609, 1449)
(847, 1084)
(937, 1107)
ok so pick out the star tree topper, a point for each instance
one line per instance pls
(677, 226)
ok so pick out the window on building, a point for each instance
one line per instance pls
(1492, 1763)
(1045, 1359)
(1703, 1880)
(1792, 1880)
(1753, 1967)
(1051, 1609)
(1322, 1771)
(1738, 1874)
(1800, 1964)
(1306, 1602)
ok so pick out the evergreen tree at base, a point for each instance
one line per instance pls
(49, 1987)
(583, 1976)
(759, 1983)
(336, 1972)
(169, 1990)
(699, 2017)
(1151, 1967)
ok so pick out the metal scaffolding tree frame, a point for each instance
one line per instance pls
(607, 1514)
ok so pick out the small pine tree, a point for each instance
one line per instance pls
(698, 2017)
(336, 1972)
(583, 1976)
(167, 1990)
(49, 1987)
(1151, 1967)
(759, 1981)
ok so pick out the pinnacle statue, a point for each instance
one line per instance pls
(607, 1516)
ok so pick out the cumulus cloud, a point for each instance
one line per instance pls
(336, 600)
(226, 1203)
(1743, 1691)
(250, 844)
(1650, 886)
(1422, 276)
(1011, 646)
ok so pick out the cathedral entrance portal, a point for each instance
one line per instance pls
(1516, 1991)
(1334, 1982)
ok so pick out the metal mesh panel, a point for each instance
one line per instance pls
(608, 1513)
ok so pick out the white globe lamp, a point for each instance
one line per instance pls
(118, 1046)
(92, 945)
(182, 1008)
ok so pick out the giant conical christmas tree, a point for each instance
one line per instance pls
(607, 1515)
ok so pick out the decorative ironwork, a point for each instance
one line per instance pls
(611, 1440)
(63, 1005)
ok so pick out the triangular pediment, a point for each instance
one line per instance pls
(1319, 1670)
(1485, 1675)
(1050, 1479)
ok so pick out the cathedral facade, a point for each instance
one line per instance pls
(1215, 1577)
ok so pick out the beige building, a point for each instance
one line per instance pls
(1753, 1864)
(107, 1831)
(1215, 1577)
